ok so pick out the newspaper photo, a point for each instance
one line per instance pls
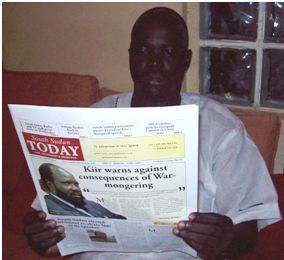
(117, 179)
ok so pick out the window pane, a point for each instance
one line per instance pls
(229, 21)
(229, 74)
(274, 31)
(272, 93)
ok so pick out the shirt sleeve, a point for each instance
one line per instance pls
(244, 188)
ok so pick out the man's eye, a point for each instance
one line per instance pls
(169, 51)
(141, 50)
(144, 50)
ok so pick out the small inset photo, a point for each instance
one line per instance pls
(99, 236)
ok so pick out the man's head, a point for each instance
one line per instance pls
(159, 57)
(61, 183)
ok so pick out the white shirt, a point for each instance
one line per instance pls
(233, 178)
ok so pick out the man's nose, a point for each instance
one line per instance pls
(155, 59)
(75, 187)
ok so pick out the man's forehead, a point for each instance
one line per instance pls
(163, 17)
(156, 22)
(60, 174)
(156, 31)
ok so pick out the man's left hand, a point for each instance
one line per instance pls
(210, 234)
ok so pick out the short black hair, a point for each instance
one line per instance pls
(46, 172)
(166, 16)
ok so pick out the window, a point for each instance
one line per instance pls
(242, 53)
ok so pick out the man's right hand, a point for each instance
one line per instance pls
(42, 234)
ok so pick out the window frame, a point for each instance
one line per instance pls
(259, 45)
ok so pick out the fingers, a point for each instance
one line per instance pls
(44, 243)
(42, 234)
(48, 235)
(195, 238)
(209, 218)
(35, 222)
(207, 233)
(203, 223)
(34, 217)
(186, 227)
(52, 251)
(38, 227)
(206, 248)
(204, 244)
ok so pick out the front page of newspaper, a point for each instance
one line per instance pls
(117, 179)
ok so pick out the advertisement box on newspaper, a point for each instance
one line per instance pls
(118, 179)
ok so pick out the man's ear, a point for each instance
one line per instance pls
(188, 58)
(50, 186)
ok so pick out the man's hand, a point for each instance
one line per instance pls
(215, 236)
(42, 234)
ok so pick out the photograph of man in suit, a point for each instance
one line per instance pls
(65, 195)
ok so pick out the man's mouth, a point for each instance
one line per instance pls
(155, 82)
(154, 79)
(76, 196)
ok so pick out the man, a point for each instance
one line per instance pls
(65, 196)
(235, 192)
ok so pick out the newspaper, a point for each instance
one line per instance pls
(130, 173)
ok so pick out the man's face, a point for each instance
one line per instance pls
(158, 61)
(66, 187)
